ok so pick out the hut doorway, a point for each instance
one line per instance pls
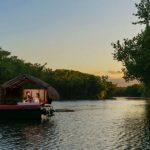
(37, 95)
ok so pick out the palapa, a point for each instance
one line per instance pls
(22, 79)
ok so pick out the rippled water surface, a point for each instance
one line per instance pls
(94, 125)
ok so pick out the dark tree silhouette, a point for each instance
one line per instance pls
(135, 53)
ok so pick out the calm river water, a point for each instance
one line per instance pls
(94, 125)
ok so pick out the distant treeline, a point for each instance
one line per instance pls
(136, 90)
(70, 84)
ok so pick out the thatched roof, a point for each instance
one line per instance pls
(22, 79)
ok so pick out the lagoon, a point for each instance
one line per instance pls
(93, 125)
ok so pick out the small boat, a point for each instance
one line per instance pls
(37, 101)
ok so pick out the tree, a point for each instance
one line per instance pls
(143, 12)
(134, 90)
(135, 53)
(70, 84)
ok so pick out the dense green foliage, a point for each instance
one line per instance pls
(70, 84)
(135, 90)
(135, 53)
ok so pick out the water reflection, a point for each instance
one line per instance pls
(27, 134)
(121, 124)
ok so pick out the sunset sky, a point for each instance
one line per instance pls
(68, 34)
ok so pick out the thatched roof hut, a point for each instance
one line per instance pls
(23, 79)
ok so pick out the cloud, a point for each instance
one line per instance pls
(114, 72)
(111, 74)
(116, 77)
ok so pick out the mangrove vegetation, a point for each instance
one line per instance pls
(70, 84)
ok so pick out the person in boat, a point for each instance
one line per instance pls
(28, 97)
(37, 98)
